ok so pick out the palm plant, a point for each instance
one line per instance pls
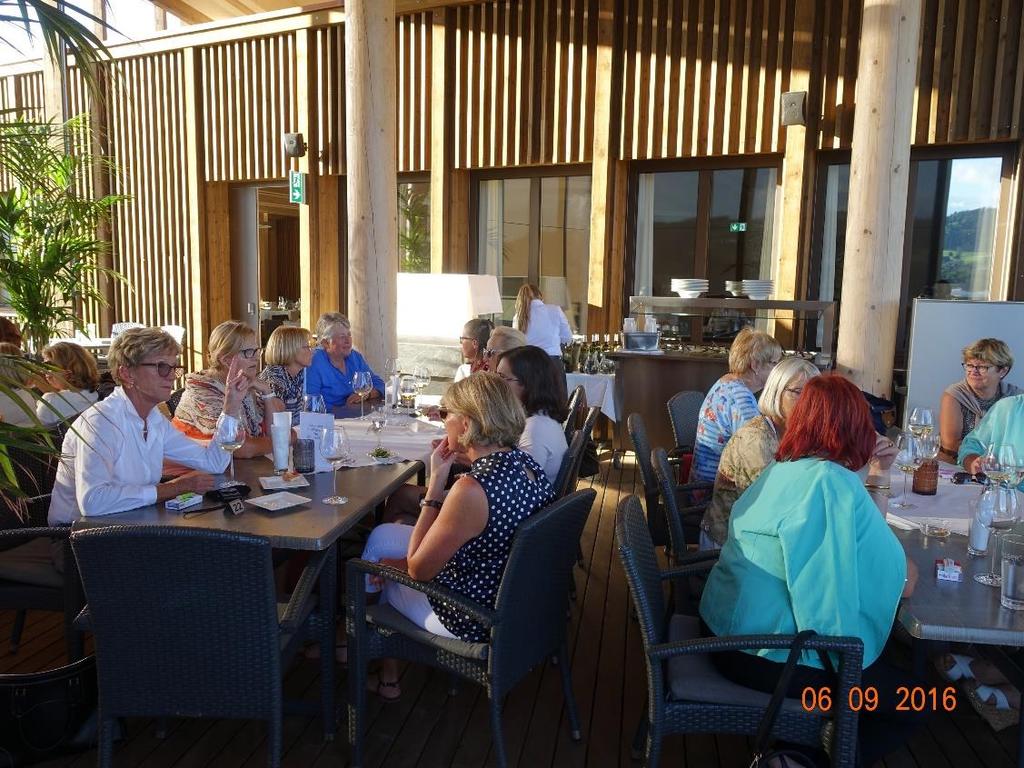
(63, 28)
(49, 251)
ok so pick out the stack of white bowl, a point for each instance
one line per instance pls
(734, 287)
(689, 288)
(758, 289)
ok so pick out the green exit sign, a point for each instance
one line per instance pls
(738, 226)
(296, 187)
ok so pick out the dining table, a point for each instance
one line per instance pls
(964, 611)
(310, 525)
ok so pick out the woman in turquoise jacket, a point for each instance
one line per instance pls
(808, 549)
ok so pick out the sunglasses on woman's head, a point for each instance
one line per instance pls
(442, 413)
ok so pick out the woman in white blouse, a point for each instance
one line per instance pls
(113, 457)
(545, 325)
(72, 385)
(533, 377)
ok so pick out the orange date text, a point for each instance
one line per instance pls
(866, 699)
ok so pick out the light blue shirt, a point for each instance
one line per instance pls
(728, 406)
(1002, 425)
(807, 549)
(323, 378)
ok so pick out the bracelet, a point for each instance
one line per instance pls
(268, 396)
(430, 503)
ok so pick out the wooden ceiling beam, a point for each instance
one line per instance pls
(200, 11)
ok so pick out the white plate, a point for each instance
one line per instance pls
(277, 482)
(278, 501)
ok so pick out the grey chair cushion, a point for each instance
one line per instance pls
(31, 563)
(692, 677)
(388, 617)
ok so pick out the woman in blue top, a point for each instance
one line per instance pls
(335, 364)
(730, 403)
(808, 549)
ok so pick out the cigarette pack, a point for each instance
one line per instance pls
(948, 569)
(184, 501)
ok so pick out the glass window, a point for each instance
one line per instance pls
(414, 226)
(537, 230)
(666, 237)
(739, 234)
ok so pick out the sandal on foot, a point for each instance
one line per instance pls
(388, 692)
(954, 666)
(312, 652)
(999, 706)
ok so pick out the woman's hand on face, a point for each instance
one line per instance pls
(236, 387)
(884, 453)
(442, 458)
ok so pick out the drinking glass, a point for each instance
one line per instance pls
(1012, 594)
(1003, 517)
(908, 459)
(362, 385)
(230, 438)
(928, 447)
(378, 420)
(407, 392)
(392, 367)
(334, 447)
(314, 404)
(422, 375)
(921, 422)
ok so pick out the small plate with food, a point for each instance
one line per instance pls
(290, 479)
(384, 456)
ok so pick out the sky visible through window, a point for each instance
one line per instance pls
(974, 183)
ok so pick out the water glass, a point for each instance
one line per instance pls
(378, 421)
(303, 457)
(1012, 593)
(314, 404)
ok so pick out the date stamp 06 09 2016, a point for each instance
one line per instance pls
(909, 699)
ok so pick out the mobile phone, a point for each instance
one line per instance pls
(959, 478)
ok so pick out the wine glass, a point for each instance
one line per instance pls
(392, 367)
(334, 447)
(422, 375)
(378, 420)
(407, 392)
(314, 404)
(921, 422)
(230, 435)
(908, 459)
(1003, 517)
(362, 385)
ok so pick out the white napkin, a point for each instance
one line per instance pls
(901, 523)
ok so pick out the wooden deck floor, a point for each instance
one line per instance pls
(430, 728)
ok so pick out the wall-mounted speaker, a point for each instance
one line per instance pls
(294, 146)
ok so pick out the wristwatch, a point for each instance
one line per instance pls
(425, 502)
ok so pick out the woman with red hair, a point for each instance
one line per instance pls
(808, 549)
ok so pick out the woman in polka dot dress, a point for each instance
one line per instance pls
(462, 543)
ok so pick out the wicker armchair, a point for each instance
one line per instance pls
(527, 626)
(683, 522)
(656, 515)
(186, 624)
(29, 580)
(686, 694)
(683, 412)
(577, 403)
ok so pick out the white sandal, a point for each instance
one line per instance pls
(961, 668)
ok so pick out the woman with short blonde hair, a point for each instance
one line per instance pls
(335, 364)
(289, 353)
(501, 341)
(231, 342)
(462, 541)
(986, 364)
(730, 403)
(73, 384)
(129, 350)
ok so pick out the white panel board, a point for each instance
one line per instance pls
(940, 329)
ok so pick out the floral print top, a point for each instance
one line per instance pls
(728, 406)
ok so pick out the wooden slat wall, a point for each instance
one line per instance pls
(330, 69)
(413, 49)
(703, 77)
(837, 69)
(22, 95)
(248, 92)
(524, 82)
(150, 230)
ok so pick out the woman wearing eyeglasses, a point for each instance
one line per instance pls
(473, 340)
(231, 343)
(986, 363)
(112, 460)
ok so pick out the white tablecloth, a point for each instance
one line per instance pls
(949, 503)
(409, 438)
(600, 389)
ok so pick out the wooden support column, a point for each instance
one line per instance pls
(371, 167)
(99, 126)
(200, 254)
(603, 292)
(441, 130)
(879, 171)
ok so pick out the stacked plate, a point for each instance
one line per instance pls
(734, 287)
(758, 289)
(689, 288)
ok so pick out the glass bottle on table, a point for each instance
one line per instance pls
(362, 385)
(334, 447)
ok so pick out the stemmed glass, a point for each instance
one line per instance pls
(422, 375)
(362, 385)
(378, 420)
(230, 438)
(921, 422)
(392, 367)
(908, 459)
(314, 404)
(407, 392)
(334, 447)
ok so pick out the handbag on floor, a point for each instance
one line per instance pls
(44, 714)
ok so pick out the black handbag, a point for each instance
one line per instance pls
(783, 758)
(43, 714)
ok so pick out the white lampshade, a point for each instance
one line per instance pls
(437, 306)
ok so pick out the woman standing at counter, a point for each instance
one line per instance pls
(731, 402)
